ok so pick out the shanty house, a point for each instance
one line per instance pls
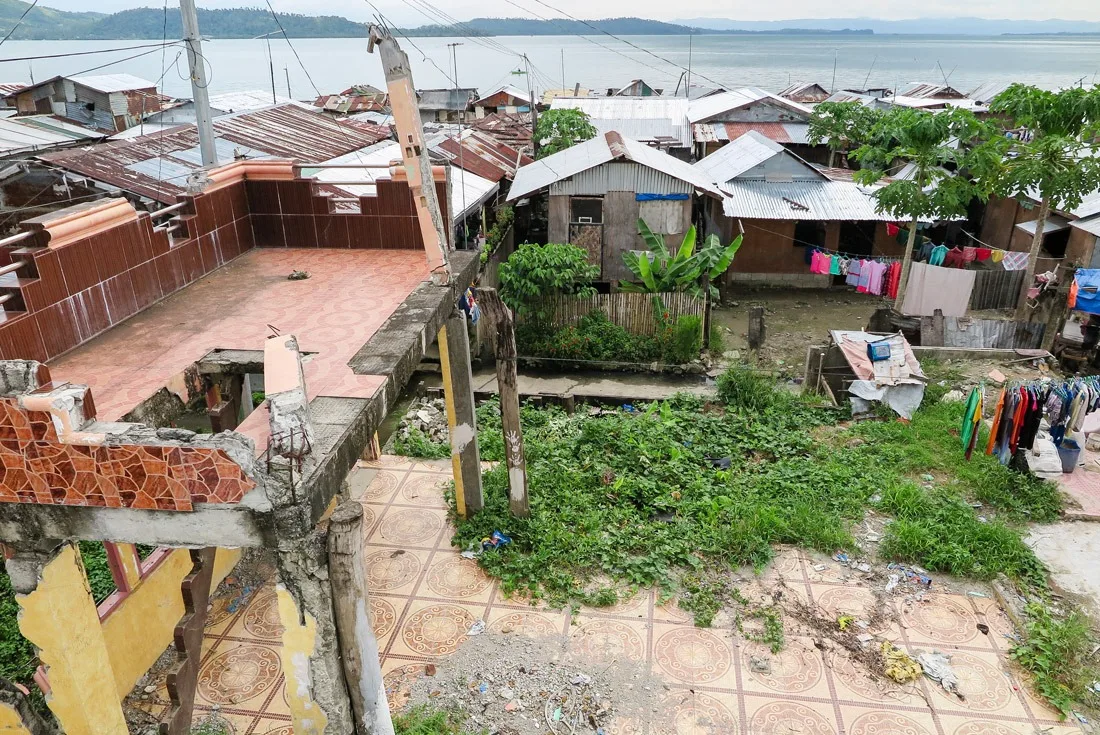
(107, 102)
(658, 121)
(785, 206)
(636, 88)
(446, 105)
(805, 93)
(597, 190)
(507, 99)
(1009, 223)
(721, 118)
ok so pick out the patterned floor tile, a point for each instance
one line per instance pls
(783, 717)
(423, 490)
(403, 527)
(433, 629)
(945, 620)
(386, 461)
(239, 675)
(984, 684)
(836, 600)
(532, 623)
(606, 639)
(980, 726)
(853, 683)
(398, 676)
(699, 713)
(881, 721)
(453, 577)
(797, 669)
(689, 655)
(375, 487)
(394, 571)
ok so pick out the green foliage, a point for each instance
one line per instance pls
(427, 721)
(595, 338)
(744, 389)
(94, 555)
(842, 125)
(212, 725)
(418, 445)
(1058, 652)
(717, 339)
(258, 397)
(144, 551)
(930, 141)
(661, 271)
(558, 130)
(505, 217)
(683, 340)
(534, 273)
(18, 660)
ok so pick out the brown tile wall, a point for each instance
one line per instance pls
(288, 214)
(74, 292)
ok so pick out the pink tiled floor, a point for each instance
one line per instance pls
(1084, 487)
(425, 597)
(333, 313)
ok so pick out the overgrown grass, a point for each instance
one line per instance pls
(418, 445)
(102, 582)
(426, 721)
(1059, 653)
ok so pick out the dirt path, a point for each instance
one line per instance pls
(794, 321)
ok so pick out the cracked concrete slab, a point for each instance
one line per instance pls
(1070, 549)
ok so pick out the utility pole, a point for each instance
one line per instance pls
(454, 59)
(271, 68)
(534, 107)
(687, 88)
(563, 68)
(289, 94)
(197, 63)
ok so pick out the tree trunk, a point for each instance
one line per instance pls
(906, 262)
(832, 158)
(504, 338)
(1032, 258)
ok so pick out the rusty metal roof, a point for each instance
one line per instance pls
(350, 103)
(481, 154)
(156, 166)
(513, 129)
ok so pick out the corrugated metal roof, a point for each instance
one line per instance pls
(1088, 207)
(7, 88)
(802, 200)
(701, 110)
(468, 191)
(345, 103)
(513, 129)
(288, 131)
(551, 94)
(805, 92)
(867, 100)
(656, 129)
(1090, 225)
(510, 91)
(446, 99)
(39, 132)
(252, 99)
(737, 157)
(108, 83)
(600, 150)
(1053, 223)
(482, 155)
(984, 93)
(621, 176)
(614, 109)
(927, 90)
(798, 133)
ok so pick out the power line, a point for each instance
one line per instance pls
(119, 61)
(294, 50)
(424, 56)
(88, 53)
(590, 40)
(19, 22)
(628, 43)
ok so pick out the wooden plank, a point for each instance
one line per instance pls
(183, 678)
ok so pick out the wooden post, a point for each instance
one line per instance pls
(183, 677)
(757, 331)
(351, 611)
(504, 340)
(458, 392)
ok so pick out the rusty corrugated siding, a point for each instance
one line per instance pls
(288, 131)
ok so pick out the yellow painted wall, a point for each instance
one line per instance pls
(299, 641)
(10, 722)
(60, 618)
(139, 630)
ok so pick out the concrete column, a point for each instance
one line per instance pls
(458, 389)
(58, 616)
(315, 686)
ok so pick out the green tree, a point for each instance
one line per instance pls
(937, 144)
(1053, 154)
(534, 273)
(662, 271)
(560, 129)
(842, 126)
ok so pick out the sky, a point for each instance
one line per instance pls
(400, 11)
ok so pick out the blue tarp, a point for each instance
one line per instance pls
(1088, 293)
(661, 197)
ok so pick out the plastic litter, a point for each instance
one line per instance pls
(974, 593)
(893, 583)
(477, 628)
(983, 628)
(721, 463)
(495, 541)
(900, 666)
(937, 667)
(483, 687)
(581, 680)
(629, 408)
(912, 574)
(844, 621)
(841, 557)
(557, 715)
(468, 555)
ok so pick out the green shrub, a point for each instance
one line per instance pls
(94, 555)
(683, 340)
(18, 660)
(1059, 654)
(425, 721)
(717, 340)
(418, 445)
(745, 389)
(534, 274)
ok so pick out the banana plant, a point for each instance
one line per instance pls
(658, 270)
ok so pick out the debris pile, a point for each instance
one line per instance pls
(429, 417)
(512, 684)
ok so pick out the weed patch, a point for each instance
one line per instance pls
(427, 721)
(1059, 653)
(418, 445)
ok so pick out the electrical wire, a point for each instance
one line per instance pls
(118, 61)
(425, 57)
(86, 53)
(19, 22)
(628, 43)
(279, 23)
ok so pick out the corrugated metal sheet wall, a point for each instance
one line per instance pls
(620, 177)
(100, 118)
(996, 289)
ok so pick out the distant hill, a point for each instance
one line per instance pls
(938, 26)
(556, 27)
(148, 23)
